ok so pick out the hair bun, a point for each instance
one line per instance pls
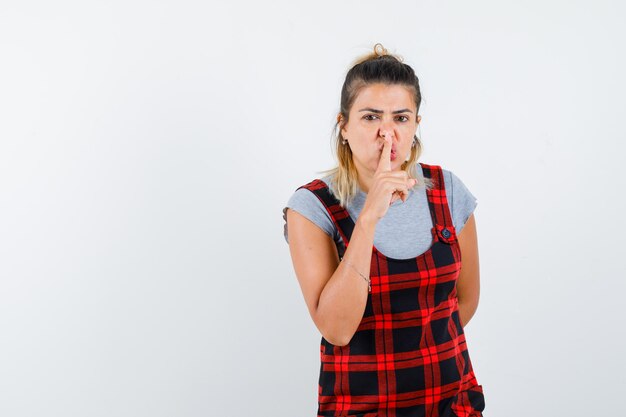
(380, 50)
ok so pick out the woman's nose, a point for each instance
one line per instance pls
(386, 131)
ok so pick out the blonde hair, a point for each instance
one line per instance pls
(376, 67)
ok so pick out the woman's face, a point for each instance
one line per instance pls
(377, 109)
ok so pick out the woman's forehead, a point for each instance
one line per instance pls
(385, 96)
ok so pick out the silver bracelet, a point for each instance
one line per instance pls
(367, 279)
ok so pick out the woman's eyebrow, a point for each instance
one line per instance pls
(380, 111)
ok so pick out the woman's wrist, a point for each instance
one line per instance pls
(367, 221)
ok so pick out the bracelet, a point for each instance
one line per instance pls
(367, 279)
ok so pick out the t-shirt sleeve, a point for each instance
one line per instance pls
(306, 203)
(461, 201)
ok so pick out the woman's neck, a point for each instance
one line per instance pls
(365, 180)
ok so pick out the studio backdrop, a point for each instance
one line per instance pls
(147, 150)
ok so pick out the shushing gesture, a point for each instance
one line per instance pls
(387, 185)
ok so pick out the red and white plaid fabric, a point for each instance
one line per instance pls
(408, 357)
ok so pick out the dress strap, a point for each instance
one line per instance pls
(339, 215)
(437, 199)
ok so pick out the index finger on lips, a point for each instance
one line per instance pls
(384, 164)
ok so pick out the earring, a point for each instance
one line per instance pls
(344, 141)
(415, 139)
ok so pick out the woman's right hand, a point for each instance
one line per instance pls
(387, 186)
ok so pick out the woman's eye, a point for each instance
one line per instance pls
(375, 117)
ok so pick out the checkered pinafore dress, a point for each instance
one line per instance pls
(408, 357)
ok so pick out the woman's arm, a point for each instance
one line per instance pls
(468, 284)
(334, 291)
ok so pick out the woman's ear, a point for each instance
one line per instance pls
(341, 122)
(419, 119)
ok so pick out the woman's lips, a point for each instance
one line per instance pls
(392, 155)
(394, 151)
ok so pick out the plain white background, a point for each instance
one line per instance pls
(147, 149)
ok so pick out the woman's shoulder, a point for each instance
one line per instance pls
(461, 200)
(453, 181)
(430, 167)
(305, 201)
(449, 176)
(305, 194)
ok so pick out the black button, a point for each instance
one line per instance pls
(445, 233)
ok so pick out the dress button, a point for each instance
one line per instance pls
(445, 233)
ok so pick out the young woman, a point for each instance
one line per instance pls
(376, 246)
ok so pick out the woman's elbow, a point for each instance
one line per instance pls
(469, 304)
(467, 310)
(333, 334)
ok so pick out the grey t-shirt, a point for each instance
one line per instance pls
(405, 230)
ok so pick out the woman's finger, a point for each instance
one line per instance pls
(384, 163)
